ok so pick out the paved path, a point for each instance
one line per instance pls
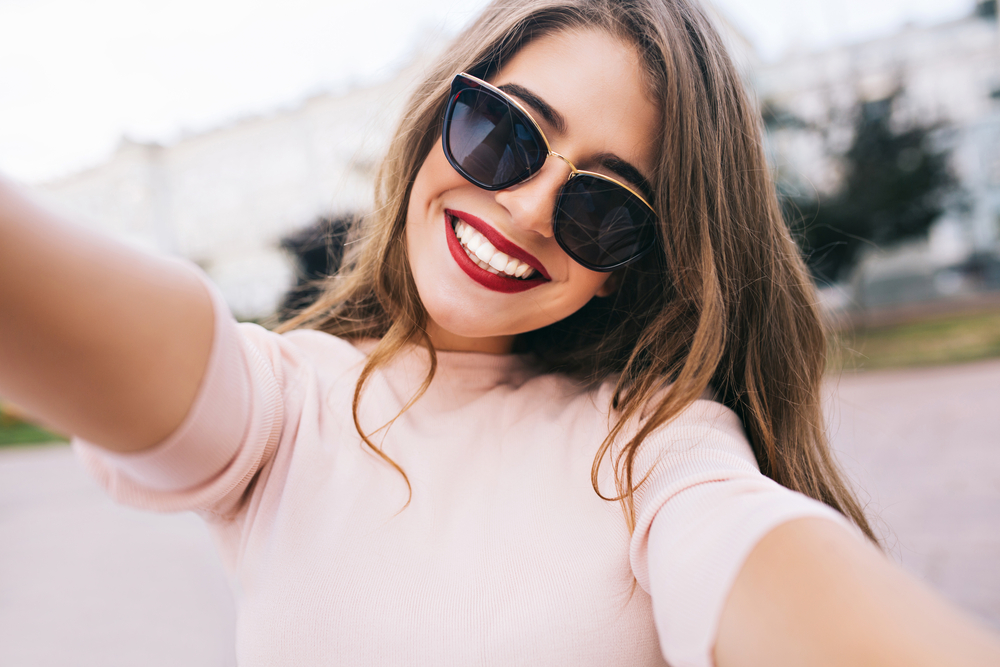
(923, 446)
(85, 583)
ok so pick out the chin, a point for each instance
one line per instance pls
(468, 325)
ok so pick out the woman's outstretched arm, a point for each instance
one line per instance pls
(96, 339)
(812, 594)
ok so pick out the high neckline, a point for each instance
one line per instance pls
(466, 369)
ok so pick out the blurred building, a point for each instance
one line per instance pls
(950, 74)
(225, 198)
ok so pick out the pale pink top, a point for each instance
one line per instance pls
(505, 554)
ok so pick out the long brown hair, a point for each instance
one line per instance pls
(725, 302)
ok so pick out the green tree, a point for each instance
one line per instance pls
(895, 183)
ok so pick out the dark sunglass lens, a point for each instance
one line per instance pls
(601, 224)
(489, 141)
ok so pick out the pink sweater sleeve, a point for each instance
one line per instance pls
(229, 433)
(702, 511)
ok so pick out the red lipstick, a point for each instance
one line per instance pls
(497, 240)
(492, 281)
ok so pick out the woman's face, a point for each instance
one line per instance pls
(591, 82)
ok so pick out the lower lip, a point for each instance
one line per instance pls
(488, 280)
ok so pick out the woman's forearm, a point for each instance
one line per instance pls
(96, 339)
(812, 594)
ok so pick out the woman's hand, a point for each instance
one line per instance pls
(96, 339)
(812, 594)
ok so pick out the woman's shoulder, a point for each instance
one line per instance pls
(706, 411)
(703, 428)
(705, 422)
(310, 346)
(315, 342)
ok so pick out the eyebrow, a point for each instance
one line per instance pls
(553, 117)
(609, 161)
(624, 169)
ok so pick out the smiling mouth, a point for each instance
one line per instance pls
(476, 248)
(484, 255)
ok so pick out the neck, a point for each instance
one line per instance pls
(446, 341)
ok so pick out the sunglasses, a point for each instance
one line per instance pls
(493, 142)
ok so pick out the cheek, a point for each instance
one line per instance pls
(587, 283)
(419, 195)
(434, 177)
(427, 185)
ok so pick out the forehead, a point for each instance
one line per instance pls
(595, 81)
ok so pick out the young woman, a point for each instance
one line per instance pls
(560, 406)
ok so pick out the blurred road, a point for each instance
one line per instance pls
(923, 447)
(86, 583)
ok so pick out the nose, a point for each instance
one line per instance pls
(532, 203)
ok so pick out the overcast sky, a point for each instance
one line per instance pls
(77, 76)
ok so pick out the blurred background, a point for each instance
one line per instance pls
(238, 134)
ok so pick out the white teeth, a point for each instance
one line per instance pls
(487, 257)
(486, 251)
(500, 261)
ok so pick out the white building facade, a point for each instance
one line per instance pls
(950, 74)
(225, 198)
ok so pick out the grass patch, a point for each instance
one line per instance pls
(14, 430)
(22, 433)
(944, 340)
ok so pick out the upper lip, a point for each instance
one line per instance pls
(498, 241)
